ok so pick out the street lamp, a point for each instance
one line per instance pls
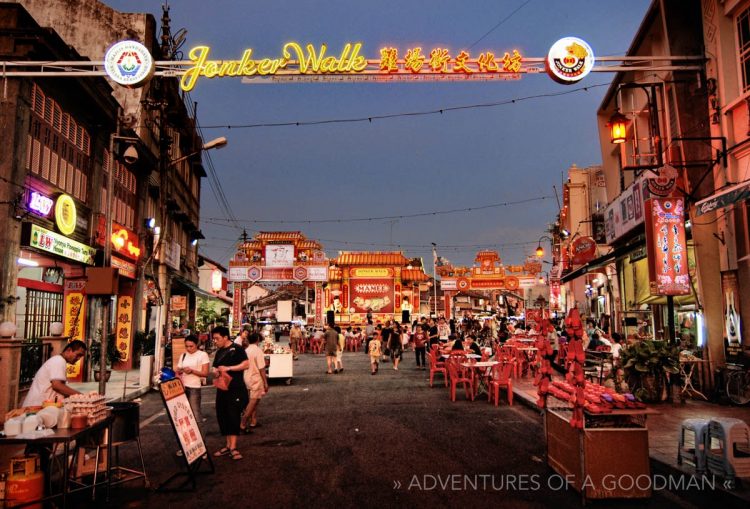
(162, 232)
(217, 143)
(539, 248)
(618, 127)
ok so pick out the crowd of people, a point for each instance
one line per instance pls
(241, 364)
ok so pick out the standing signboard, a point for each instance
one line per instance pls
(186, 430)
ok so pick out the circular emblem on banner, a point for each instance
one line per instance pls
(300, 273)
(65, 214)
(254, 273)
(663, 184)
(511, 283)
(128, 63)
(583, 250)
(462, 283)
(569, 60)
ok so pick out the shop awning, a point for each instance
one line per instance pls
(192, 286)
(723, 198)
(642, 292)
(602, 260)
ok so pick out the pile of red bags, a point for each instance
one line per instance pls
(546, 354)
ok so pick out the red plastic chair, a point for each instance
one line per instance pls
(301, 345)
(437, 367)
(509, 355)
(459, 375)
(501, 377)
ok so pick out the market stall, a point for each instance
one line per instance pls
(84, 420)
(279, 360)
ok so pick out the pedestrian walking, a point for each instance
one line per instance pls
(374, 350)
(193, 367)
(256, 382)
(340, 351)
(395, 346)
(295, 338)
(231, 395)
(331, 338)
(420, 345)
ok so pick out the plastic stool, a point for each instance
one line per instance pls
(732, 456)
(696, 454)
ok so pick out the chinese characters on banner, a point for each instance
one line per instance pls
(183, 420)
(439, 60)
(74, 320)
(667, 247)
(318, 304)
(124, 327)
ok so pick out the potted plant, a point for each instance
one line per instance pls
(649, 366)
(113, 355)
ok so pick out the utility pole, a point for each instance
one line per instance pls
(434, 278)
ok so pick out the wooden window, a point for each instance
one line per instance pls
(743, 45)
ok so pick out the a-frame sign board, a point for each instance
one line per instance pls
(188, 433)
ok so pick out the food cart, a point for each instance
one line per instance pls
(279, 360)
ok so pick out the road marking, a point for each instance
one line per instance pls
(151, 419)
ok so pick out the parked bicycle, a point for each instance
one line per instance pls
(738, 384)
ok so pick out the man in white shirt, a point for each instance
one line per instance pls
(241, 338)
(50, 382)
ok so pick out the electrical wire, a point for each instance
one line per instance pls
(506, 18)
(214, 220)
(440, 111)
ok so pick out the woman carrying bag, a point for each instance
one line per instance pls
(231, 395)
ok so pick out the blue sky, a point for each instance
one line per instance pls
(400, 166)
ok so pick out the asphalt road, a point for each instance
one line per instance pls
(356, 440)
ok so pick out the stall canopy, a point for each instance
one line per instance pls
(641, 290)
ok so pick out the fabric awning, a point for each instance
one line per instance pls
(642, 291)
(723, 198)
(192, 286)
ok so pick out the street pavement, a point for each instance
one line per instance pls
(356, 440)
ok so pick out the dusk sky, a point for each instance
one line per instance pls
(405, 165)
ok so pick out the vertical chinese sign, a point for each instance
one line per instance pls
(124, 330)
(667, 247)
(74, 320)
(318, 304)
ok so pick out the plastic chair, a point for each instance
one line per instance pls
(731, 456)
(501, 377)
(436, 367)
(509, 355)
(459, 375)
(697, 453)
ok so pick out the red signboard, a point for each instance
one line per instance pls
(124, 241)
(667, 247)
(582, 250)
(318, 304)
(373, 294)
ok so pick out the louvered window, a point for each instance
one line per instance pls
(59, 149)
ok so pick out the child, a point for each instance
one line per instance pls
(375, 352)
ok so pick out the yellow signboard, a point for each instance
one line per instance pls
(372, 272)
(297, 61)
(66, 214)
(124, 327)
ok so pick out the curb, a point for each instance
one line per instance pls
(726, 496)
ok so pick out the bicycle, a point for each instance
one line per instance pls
(738, 384)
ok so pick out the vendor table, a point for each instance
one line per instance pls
(281, 365)
(98, 433)
(687, 367)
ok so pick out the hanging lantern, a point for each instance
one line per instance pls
(618, 128)
(216, 280)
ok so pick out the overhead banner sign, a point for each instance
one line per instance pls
(667, 247)
(569, 60)
(297, 273)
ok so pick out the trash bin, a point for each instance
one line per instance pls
(126, 425)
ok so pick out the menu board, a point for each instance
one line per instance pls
(183, 420)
